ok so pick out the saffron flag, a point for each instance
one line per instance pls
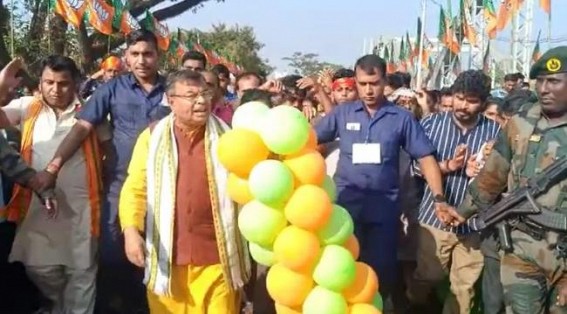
(72, 11)
(507, 11)
(100, 15)
(415, 53)
(409, 50)
(181, 47)
(491, 18)
(388, 52)
(545, 5)
(446, 34)
(537, 53)
(162, 33)
(467, 27)
(128, 23)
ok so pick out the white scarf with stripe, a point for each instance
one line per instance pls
(162, 167)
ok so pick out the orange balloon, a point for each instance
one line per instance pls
(352, 245)
(312, 139)
(238, 189)
(363, 308)
(239, 150)
(282, 309)
(308, 167)
(297, 249)
(364, 287)
(287, 287)
(309, 207)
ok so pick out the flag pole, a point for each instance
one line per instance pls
(493, 72)
(549, 26)
(49, 28)
(421, 42)
(12, 28)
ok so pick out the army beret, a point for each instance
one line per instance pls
(553, 61)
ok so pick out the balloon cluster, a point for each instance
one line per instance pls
(289, 217)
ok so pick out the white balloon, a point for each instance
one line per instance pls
(249, 116)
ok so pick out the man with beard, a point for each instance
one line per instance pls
(533, 274)
(458, 137)
(372, 131)
(133, 101)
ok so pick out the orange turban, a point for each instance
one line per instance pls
(111, 62)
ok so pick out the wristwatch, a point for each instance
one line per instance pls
(439, 199)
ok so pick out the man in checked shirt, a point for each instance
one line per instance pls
(458, 137)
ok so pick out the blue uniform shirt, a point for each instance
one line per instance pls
(370, 191)
(131, 110)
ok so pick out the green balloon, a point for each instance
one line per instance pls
(321, 300)
(260, 223)
(285, 130)
(339, 227)
(378, 302)
(271, 182)
(336, 269)
(249, 116)
(330, 187)
(261, 254)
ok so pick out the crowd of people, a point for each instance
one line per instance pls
(114, 201)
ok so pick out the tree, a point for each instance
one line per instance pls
(308, 63)
(238, 43)
(44, 33)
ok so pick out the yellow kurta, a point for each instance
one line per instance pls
(194, 289)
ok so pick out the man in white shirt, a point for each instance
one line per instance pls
(58, 251)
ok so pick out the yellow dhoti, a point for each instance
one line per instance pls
(196, 290)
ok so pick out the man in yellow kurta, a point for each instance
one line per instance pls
(194, 257)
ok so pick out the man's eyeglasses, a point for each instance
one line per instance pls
(207, 95)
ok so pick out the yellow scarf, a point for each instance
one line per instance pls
(21, 197)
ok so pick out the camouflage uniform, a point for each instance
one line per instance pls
(526, 146)
(11, 164)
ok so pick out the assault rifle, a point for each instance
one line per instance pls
(521, 203)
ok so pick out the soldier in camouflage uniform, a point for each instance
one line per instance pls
(13, 167)
(532, 273)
